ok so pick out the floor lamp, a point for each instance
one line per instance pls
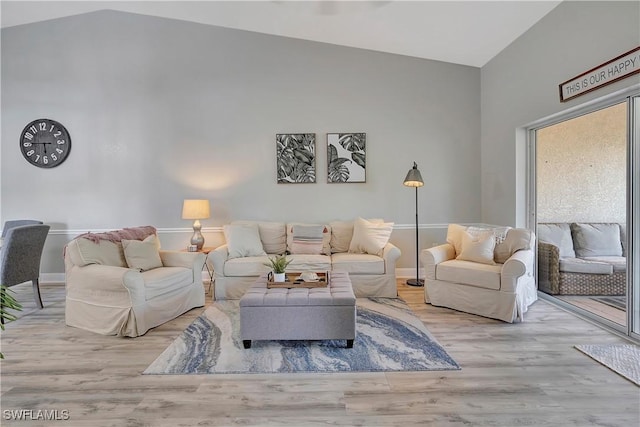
(414, 179)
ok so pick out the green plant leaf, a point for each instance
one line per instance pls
(7, 301)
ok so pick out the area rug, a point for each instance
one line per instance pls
(623, 359)
(619, 302)
(389, 338)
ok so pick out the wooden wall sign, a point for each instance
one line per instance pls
(618, 68)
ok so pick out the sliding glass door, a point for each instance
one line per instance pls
(585, 204)
(634, 213)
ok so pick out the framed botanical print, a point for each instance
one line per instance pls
(346, 157)
(296, 158)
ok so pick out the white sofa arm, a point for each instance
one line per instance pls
(218, 257)
(105, 284)
(434, 256)
(390, 254)
(437, 254)
(518, 265)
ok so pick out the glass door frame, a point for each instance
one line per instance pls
(630, 96)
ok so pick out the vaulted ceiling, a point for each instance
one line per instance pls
(461, 32)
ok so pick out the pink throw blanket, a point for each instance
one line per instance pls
(133, 233)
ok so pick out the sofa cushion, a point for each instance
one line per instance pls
(303, 262)
(358, 263)
(326, 236)
(478, 247)
(469, 273)
(623, 238)
(243, 240)
(273, 235)
(341, 234)
(104, 253)
(581, 265)
(246, 266)
(307, 239)
(159, 281)
(618, 263)
(596, 239)
(142, 255)
(558, 234)
(370, 237)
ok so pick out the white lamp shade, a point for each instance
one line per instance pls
(195, 209)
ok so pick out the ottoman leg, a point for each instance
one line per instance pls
(349, 343)
(246, 343)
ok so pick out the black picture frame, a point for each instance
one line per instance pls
(296, 158)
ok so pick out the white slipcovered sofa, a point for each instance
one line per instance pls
(360, 248)
(121, 283)
(486, 271)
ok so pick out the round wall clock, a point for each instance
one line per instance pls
(45, 143)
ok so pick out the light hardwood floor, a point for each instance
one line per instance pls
(525, 374)
(600, 309)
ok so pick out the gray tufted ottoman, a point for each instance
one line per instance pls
(299, 314)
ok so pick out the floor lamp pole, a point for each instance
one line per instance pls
(416, 281)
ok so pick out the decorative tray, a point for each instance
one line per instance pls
(293, 280)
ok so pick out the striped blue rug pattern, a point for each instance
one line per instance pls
(389, 338)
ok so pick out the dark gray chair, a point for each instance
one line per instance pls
(17, 223)
(20, 256)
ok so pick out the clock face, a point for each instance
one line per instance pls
(45, 143)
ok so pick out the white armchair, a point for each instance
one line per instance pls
(483, 271)
(112, 293)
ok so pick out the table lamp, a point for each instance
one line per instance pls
(196, 209)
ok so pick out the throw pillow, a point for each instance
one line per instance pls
(454, 236)
(142, 254)
(243, 240)
(370, 237)
(596, 239)
(478, 248)
(502, 250)
(307, 239)
(273, 235)
(326, 236)
(558, 234)
(342, 233)
(516, 239)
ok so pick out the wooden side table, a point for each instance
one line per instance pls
(205, 250)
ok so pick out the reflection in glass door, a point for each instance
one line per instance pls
(581, 212)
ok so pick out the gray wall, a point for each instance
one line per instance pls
(160, 110)
(520, 86)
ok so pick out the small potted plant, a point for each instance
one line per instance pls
(278, 265)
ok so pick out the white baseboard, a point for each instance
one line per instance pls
(52, 278)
